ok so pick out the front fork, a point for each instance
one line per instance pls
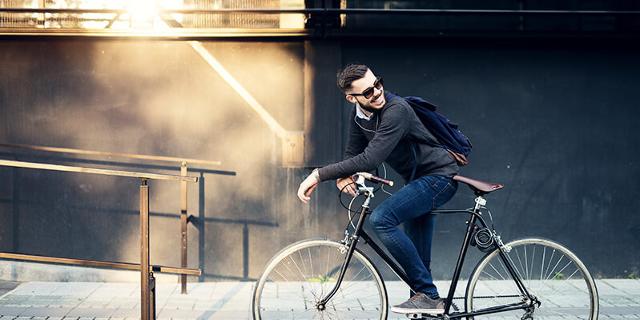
(350, 242)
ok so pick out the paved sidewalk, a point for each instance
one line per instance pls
(6, 286)
(619, 299)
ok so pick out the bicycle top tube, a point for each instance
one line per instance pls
(480, 188)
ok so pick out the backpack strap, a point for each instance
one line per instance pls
(460, 158)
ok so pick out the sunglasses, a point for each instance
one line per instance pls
(368, 92)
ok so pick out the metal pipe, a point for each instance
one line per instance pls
(147, 281)
(108, 154)
(201, 224)
(152, 294)
(456, 274)
(431, 11)
(176, 34)
(352, 247)
(183, 226)
(491, 310)
(145, 294)
(119, 173)
(245, 251)
(397, 269)
(478, 12)
(323, 28)
(95, 264)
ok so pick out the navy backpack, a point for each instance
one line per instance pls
(447, 132)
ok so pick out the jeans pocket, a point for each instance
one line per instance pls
(437, 183)
(443, 195)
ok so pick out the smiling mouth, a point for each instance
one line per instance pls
(377, 99)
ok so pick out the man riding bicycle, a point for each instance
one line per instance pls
(386, 129)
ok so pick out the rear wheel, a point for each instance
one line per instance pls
(302, 274)
(549, 271)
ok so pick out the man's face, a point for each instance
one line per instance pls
(364, 85)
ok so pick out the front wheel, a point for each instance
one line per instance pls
(300, 275)
(549, 272)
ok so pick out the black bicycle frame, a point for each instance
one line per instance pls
(352, 247)
(472, 225)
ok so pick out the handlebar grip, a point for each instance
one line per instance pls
(376, 179)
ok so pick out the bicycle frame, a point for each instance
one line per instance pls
(472, 226)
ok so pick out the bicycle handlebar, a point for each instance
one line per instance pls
(374, 179)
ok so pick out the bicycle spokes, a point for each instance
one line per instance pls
(300, 278)
(556, 280)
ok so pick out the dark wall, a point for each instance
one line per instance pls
(554, 121)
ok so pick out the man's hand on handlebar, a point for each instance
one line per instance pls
(347, 185)
(372, 178)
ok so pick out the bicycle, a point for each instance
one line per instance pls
(323, 279)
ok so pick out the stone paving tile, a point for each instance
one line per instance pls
(620, 299)
(46, 312)
(184, 314)
(12, 311)
(126, 313)
(631, 286)
(616, 293)
(91, 312)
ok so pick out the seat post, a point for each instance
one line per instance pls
(480, 202)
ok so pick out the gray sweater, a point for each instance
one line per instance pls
(387, 137)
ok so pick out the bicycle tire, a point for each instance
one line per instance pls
(544, 275)
(291, 284)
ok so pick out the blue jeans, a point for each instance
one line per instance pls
(412, 205)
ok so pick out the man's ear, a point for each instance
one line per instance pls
(351, 98)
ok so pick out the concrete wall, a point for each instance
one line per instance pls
(157, 98)
(556, 122)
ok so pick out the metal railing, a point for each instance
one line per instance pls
(260, 21)
(183, 166)
(262, 17)
(147, 279)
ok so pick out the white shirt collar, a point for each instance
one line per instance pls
(360, 113)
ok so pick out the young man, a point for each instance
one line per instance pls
(385, 128)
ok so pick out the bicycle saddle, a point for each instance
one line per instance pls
(479, 187)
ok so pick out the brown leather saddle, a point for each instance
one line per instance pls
(478, 187)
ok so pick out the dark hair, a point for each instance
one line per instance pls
(349, 74)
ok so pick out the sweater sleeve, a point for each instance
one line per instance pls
(394, 125)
